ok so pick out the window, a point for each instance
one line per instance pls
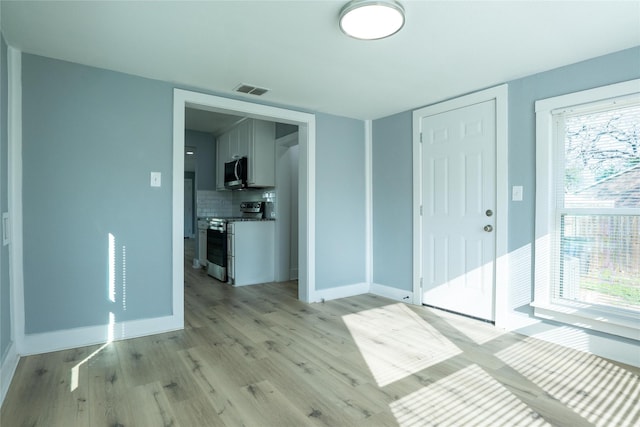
(588, 209)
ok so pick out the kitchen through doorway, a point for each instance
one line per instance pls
(202, 128)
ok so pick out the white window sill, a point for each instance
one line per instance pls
(587, 317)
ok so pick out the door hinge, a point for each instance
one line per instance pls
(420, 210)
(421, 283)
(421, 137)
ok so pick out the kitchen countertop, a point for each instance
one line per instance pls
(249, 219)
(236, 218)
(203, 222)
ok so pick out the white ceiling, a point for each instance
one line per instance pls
(295, 48)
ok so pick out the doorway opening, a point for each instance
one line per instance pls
(207, 200)
(306, 179)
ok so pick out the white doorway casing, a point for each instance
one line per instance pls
(306, 227)
(499, 95)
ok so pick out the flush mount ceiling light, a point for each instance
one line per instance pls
(370, 19)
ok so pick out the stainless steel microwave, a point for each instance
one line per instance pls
(235, 174)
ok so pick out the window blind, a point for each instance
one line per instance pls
(598, 205)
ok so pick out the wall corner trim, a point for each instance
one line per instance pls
(14, 174)
(368, 217)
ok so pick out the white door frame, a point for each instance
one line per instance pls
(307, 131)
(500, 95)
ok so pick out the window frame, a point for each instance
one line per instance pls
(549, 174)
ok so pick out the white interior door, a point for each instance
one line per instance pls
(458, 198)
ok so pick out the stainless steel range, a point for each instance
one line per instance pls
(217, 249)
(217, 244)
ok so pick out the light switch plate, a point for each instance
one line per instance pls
(516, 193)
(156, 179)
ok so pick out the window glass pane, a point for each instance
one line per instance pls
(599, 255)
(600, 260)
(602, 158)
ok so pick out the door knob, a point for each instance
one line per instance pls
(488, 228)
(489, 212)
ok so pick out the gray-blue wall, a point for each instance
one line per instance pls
(392, 161)
(523, 93)
(5, 302)
(91, 138)
(205, 145)
(340, 202)
(392, 201)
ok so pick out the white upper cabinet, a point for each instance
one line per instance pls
(262, 154)
(241, 137)
(255, 140)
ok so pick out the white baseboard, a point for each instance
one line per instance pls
(362, 288)
(320, 295)
(80, 337)
(7, 369)
(391, 293)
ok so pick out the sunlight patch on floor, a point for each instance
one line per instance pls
(395, 342)
(75, 371)
(596, 389)
(470, 396)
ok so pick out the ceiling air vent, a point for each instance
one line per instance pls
(251, 90)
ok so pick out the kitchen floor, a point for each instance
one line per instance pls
(256, 356)
(189, 252)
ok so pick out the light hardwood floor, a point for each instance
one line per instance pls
(255, 356)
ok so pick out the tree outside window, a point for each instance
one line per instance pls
(598, 221)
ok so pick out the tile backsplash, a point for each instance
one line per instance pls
(214, 203)
(227, 203)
